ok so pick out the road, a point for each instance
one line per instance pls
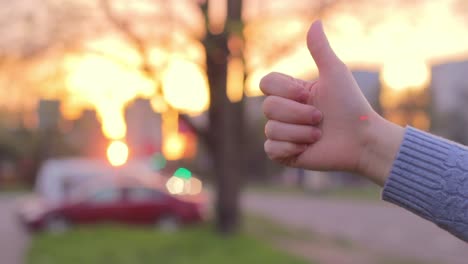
(378, 226)
(13, 241)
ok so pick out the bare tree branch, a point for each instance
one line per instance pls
(124, 27)
(202, 134)
(140, 45)
(324, 8)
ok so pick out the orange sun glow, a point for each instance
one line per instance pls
(117, 153)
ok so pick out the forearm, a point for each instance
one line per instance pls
(427, 175)
(381, 140)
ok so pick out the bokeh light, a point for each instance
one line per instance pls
(235, 80)
(217, 11)
(195, 186)
(183, 183)
(183, 173)
(112, 119)
(158, 162)
(117, 153)
(106, 86)
(405, 73)
(174, 146)
(158, 104)
(175, 185)
(185, 86)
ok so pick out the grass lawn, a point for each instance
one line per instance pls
(121, 245)
(15, 188)
(361, 193)
(265, 228)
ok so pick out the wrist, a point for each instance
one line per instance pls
(379, 142)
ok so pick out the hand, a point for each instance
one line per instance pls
(326, 124)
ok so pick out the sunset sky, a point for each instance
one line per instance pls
(98, 66)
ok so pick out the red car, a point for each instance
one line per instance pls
(131, 205)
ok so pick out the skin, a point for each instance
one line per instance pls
(327, 124)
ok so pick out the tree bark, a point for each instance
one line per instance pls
(226, 128)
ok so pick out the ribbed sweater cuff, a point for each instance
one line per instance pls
(415, 181)
(429, 177)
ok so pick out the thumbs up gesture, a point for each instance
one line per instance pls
(321, 124)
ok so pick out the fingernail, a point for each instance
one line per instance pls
(317, 116)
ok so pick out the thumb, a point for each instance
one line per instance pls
(320, 49)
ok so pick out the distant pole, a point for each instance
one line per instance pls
(300, 178)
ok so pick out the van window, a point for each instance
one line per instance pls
(106, 196)
(139, 194)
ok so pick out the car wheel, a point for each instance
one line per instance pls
(56, 225)
(168, 223)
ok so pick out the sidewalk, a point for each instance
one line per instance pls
(378, 226)
(13, 241)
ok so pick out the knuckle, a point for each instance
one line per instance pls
(293, 87)
(291, 148)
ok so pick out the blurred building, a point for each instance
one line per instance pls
(369, 83)
(449, 96)
(143, 128)
(50, 139)
(49, 115)
(86, 135)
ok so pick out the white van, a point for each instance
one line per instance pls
(61, 179)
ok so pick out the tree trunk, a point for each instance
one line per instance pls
(226, 127)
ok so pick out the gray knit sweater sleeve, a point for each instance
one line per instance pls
(429, 177)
